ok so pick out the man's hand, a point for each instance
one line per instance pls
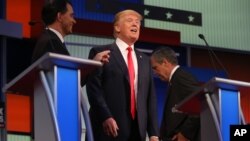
(179, 137)
(110, 127)
(102, 56)
(153, 138)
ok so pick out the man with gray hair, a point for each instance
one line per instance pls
(175, 126)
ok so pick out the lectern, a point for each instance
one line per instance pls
(218, 103)
(54, 82)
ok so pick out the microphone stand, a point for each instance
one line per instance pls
(212, 55)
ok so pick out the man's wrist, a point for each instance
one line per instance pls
(154, 138)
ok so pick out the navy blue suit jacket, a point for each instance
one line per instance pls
(182, 84)
(48, 42)
(109, 95)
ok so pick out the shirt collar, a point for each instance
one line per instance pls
(59, 35)
(172, 72)
(122, 45)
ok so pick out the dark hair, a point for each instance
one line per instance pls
(50, 10)
(165, 52)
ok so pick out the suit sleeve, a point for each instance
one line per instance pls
(95, 91)
(191, 124)
(152, 114)
(153, 129)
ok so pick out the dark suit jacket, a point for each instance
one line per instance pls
(182, 85)
(48, 42)
(108, 93)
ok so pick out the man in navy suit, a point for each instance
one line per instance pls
(175, 126)
(58, 17)
(109, 90)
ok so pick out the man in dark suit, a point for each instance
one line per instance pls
(117, 114)
(58, 17)
(175, 126)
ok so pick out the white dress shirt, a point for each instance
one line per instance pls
(123, 48)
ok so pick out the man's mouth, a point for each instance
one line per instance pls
(133, 30)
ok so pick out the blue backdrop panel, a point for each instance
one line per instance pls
(161, 89)
(68, 104)
(204, 75)
(102, 10)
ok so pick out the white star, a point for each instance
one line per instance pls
(190, 18)
(169, 15)
(146, 12)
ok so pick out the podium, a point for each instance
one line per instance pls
(54, 82)
(218, 104)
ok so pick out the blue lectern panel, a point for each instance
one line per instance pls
(68, 104)
(229, 111)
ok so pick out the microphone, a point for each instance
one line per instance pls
(202, 36)
(34, 22)
(31, 23)
(212, 55)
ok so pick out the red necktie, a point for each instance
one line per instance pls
(131, 72)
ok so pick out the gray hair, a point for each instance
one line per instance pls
(165, 52)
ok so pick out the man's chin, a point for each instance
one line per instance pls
(134, 39)
(70, 32)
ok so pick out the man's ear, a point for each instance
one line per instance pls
(59, 16)
(165, 61)
(117, 29)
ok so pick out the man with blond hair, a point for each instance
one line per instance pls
(121, 93)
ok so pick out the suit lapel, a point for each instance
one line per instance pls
(140, 71)
(123, 66)
(170, 85)
(119, 60)
(62, 47)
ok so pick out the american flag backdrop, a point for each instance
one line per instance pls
(224, 23)
(104, 10)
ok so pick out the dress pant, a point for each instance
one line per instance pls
(135, 134)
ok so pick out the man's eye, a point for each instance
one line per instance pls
(129, 20)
